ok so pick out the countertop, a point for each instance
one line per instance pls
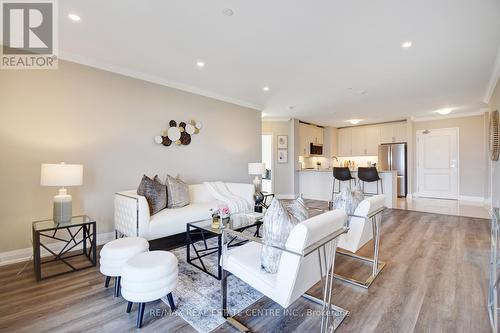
(330, 170)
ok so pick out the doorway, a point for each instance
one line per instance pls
(437, 163)
(267, 159)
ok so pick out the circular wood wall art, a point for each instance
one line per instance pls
(494, 136)
(174, 134)
(185, 138)
(190, 129)
(166, 141)
(158, 139)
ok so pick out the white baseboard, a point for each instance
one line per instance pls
(286, 196)
(12, 257)
(471, 198)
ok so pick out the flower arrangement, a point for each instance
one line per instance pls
(218, 214)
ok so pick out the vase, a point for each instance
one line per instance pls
(215, 222)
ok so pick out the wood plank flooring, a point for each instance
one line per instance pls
(435, 281)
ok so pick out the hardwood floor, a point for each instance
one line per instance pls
(435, 281)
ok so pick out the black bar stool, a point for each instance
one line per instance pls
(342, 175)
(369, 175)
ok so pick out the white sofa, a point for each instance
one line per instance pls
(132, 216)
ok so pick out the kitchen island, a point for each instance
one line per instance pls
(317, 185)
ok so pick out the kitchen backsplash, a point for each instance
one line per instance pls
(325, 163)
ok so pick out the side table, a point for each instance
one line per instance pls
(80, 231)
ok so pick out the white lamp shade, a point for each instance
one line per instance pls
(61, 175)
(256, 168)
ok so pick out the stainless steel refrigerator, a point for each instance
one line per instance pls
(392, 156)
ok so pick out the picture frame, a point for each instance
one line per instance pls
(282, 156)
(282, 141)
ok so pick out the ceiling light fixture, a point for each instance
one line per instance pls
(406, 45)
(355, 121)
(444, 111)
(266, 88)
(228, 12)
(200, 64)
(74, 17)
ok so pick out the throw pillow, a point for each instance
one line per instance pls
(348, 200)
(278, 222)
(177, 192)
(155, 193)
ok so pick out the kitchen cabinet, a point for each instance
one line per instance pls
(358, 141)
(345, 142)
(365, 140)
(309, 134)
(372, 140)
(393, 132)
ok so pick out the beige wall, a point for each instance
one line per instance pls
(472, 152)
(495, 165)
(107, 122)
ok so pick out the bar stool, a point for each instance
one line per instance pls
(342, 175)
(369, 175)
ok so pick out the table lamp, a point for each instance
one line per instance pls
(257, 169)
(62, 175)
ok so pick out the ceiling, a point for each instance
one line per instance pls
(324, 61)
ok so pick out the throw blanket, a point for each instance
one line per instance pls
(235, 203)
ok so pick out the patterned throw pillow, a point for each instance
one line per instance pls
(155, 193)
(278, 222)
(177, 192)
(348, 200)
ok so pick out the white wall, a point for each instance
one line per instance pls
(107, 122)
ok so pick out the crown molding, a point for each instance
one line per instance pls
(156, 79)
(271, 119)
(449, 116)
(494, 79)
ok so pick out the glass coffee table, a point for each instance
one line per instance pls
(200, 233)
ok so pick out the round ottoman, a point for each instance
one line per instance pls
(116, 253)
(148, 277)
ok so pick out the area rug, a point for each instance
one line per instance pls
(198, 295)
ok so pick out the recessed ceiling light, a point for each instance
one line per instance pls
(228, 12)
(200, 64)
(354, 121)
(266, 88)
(74, 17)
(444, 111)
(406, 44)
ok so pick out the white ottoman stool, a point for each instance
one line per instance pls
(116, 253)
(148, 277)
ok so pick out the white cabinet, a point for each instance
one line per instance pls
(303, 145)
(393, 132)
(345, 142)
(358, 141)
(365, 141)
(309, 134)
(372, 140)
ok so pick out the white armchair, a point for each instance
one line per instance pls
(307, 258)
(364, 224)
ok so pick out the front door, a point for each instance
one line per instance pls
(437, 163)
